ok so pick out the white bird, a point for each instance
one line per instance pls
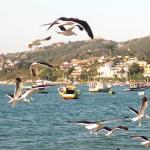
(20, 95)
(67, 32)
(25, 96)
(38, 42)
(93, 127)
(34, 67)
(141, 113)
(144, 139)
(111, 130)
(70, 21)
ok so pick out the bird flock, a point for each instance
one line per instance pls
(66, 26)
(96, 127)
(21, 95)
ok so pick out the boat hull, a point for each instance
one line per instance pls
(75, 93)
(99, 90)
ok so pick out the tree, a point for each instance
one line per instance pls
(111, 48)
(49, 74)
(134, 69)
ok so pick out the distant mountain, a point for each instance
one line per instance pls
(139, 47)
(57, 53)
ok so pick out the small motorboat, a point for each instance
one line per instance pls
(135, 87)
(99, 87)
(69, 92)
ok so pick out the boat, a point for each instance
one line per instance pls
(135, 87)
(69, 92)
(99, 87)
(43, 89)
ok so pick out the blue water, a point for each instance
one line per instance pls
(41, 125)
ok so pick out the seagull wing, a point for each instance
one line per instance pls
(52, 24)
(47, 38)
(144, 105)
(29, 92)
(121, 127)
(33, 71)
(80, 27)
(10, 95)
(106, 129)
(143, 138)
(18, 88)
(84, 122)
(83, 23)
(45, 64)
(34, 65)
(133, 110)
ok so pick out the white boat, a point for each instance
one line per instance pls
(99, 87)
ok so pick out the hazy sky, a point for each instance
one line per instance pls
(118, 20)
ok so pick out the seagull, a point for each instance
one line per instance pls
(18, 93)
(38, 42)
(82, 23)
(68, 32)
(95, 127)
(25, 96)
(34, 65)
(141, 113)
(111, 130)
(144, 139)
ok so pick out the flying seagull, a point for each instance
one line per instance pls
(82, 23)
(38, 42)
(25, 96)
(19, 94)
(34, 65)
(144, 139)
(141, 113)
(68, 32)
(95, 127)
(111, 130)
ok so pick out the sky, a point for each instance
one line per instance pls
(118, 20)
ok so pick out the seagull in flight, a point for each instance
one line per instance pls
(34, 65)
(68, 32)
(141, 112)
(71, 21)
(38, 42)
(20, 95)
(111, 130)
(144, 139)
(95, 127)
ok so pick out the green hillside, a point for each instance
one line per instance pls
(56, 54)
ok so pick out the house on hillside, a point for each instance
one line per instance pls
(147, 71)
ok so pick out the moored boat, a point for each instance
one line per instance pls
(99, 87)
(136, 87)
(69, 92)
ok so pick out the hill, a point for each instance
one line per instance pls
(57, 53)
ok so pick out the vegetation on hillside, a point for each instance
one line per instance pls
(55, 54)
